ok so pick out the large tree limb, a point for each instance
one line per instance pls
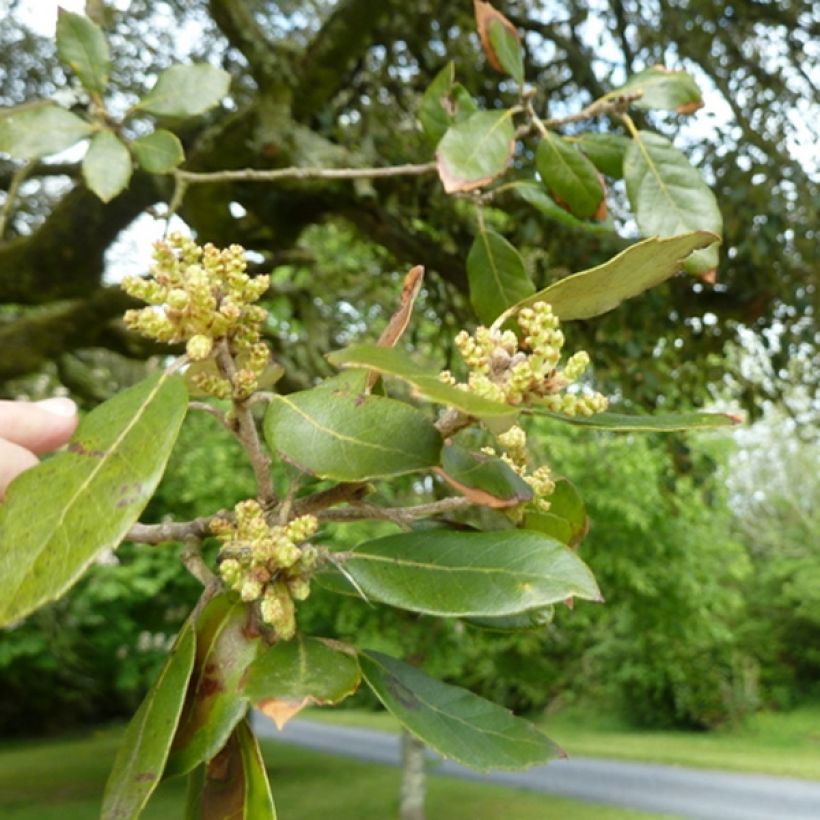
(64, 258)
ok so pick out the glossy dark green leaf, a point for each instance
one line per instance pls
(669, 196)
(508, 49)
(159, 152)
(568, 174)
(225, 646)
(107, 166)
(606, 152)
(186, 91)
(640, 267)
(475, 151)
(663, 89)
(59, 516)
(293, 674)
(454, 722)
(497, 275)
(394, 362)
(82, 47)
(459, 574)
(234, 785)
(348, 437)
(141, 758)
(566, 520)
(38, 129)
(484, 479)
(536, 196)
(434, 109)
(528, 621)
(660, 423)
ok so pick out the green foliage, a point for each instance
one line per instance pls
(347, 437)
(497, 275)
(661, 88)
(140, 761)
(669, 196)
(37, 129)
(82, 47)
(159, 152)
(456, 723)
(186, 91)
(458, 574)
(569, 175)
(476, 150)
(106, 166)
(98, 487)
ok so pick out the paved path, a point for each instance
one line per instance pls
(680, 792)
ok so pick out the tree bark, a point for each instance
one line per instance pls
(413, 778)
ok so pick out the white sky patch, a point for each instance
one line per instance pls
(41, 15)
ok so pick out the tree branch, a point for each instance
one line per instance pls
(154, 534)
(274, 174)
(402, 516)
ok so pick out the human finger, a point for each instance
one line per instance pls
(39, 426)
(13, 460)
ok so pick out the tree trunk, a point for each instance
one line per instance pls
(413, 778)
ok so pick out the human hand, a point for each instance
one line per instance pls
(29, 429)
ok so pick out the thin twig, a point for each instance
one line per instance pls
(271, 175)
(209, 408)
(191, 557)
(17, 179)
(172, 530)
(245, 430)
(348, 493)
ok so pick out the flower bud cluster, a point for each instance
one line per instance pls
(200, 296)
(506, 370)
(268, 565)
(513, 443)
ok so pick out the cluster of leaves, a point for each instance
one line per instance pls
(474, 149)
(39, 129)
(346, 431)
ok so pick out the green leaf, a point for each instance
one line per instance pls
(225, 647)
(38, 129)
(292, 674)
(456, 723)
(82, 47)
(59, 516)
(496, 274)
(349, 437)
(434, 114)
(507, 48)
(107, 166)
(640, 267)
(393, 362)
(567, 519)
(606, 151)
(234, 785)
(669, 197)
(568, 174)
(141, 758)
(475, 151)
(458, 574)
(483, 479)
(663, 89)
(661, 423)
(528, 621)
(158, 153)
(186, 91)
(536, 196)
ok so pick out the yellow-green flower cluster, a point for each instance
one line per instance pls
(202, 295)
(514, 453)
(504, 369)
(268, 565)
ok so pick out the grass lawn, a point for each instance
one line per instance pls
(63, 780)
(786, 744)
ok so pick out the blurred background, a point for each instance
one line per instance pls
(707, 548)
